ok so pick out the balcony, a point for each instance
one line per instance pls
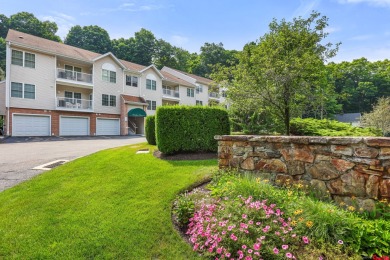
(74, 104)
(74, 78)
(214, 95)
(171, 94)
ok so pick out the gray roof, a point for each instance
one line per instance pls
(348, 117)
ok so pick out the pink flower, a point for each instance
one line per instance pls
(340, 242)
(276, 251)
(227, 254)
(244, 216)
(233, 237)
(243, 246)
(250, 251)
(250, 222)
(256, 246)
(248, 258)
(258, 223)
(219, 250)
(289, 255)
(257, 253)
(285, 247)
(230, 228)
(305, 240)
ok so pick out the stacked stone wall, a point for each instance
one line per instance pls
(344, 168)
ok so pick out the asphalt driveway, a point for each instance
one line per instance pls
(19, 155)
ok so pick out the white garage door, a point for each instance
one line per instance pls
(74, 125)
(30, 125)
(106, 126)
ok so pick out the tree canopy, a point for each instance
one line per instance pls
(278, 71)
(92, 38)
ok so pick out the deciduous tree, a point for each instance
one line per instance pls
(379, 117)
(92, 37)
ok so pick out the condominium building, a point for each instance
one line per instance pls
(56, 89)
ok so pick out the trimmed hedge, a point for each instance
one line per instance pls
(190, 128)
(150, 129)
(325, 127)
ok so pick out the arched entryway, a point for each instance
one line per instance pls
(136, 121)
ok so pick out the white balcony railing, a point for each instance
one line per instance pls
(213, 94)
(65, 103)
(172, 93)
(74, 76)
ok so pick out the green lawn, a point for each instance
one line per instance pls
(112, 204)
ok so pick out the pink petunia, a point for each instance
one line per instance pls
(289, 255)
(244, 216)
(340, 242)
(305, 240)
(276, 251)
(256, 246)
(285, 247)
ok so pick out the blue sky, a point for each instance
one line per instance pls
(362, 26)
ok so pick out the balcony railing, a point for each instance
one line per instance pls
(65, 103)
(172, 93)
(213, 94)
(74, 76)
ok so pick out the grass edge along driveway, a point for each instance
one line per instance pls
(112, 204)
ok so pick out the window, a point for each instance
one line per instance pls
(112, 101)
(109, 76)
(199, 89)
(199, 103)
(16, 89)
(167, 90)
(108, 100)
(151, 84)
(151, 104)
(29, 91)
(17, 59)
(224, 93)
(131, 81)
(104, 100)
(29, 60)
(19, 90)
(190, 92)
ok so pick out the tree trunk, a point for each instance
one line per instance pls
(287, 119)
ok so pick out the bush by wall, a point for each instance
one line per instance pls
(325, 127)
(150, 130)
(190, 128)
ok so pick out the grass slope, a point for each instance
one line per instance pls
(112, 204)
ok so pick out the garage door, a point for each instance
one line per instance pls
(74, 125)
(30, 125)
(106, 126)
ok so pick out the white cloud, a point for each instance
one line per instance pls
(380, 3)
(63, 21)
(331, 29)
(125, 7)
(305, 7)
(362, 37)
(178, 40)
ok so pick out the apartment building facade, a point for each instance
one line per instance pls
(56, 89)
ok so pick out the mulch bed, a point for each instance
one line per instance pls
(185, 156)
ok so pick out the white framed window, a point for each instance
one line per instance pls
(72, 97)
(199, 89)
(20, 90)
(131, 81)
(199, 103)
(151, 84)
(109, 76)
(24, 59)
(190, 92)
(152, 105)
(108, 100)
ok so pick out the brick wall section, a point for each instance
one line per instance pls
(55, 118)
(340, 167)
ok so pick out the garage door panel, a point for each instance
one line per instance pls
(30, 125)
(107, 126)
(77, 126)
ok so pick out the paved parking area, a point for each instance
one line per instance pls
(18, 155)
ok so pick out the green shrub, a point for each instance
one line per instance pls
(150, 130)
(190, 128)
(325, 127)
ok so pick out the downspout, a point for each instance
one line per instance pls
(7, 82)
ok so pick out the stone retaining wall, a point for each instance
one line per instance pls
(340, 167)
